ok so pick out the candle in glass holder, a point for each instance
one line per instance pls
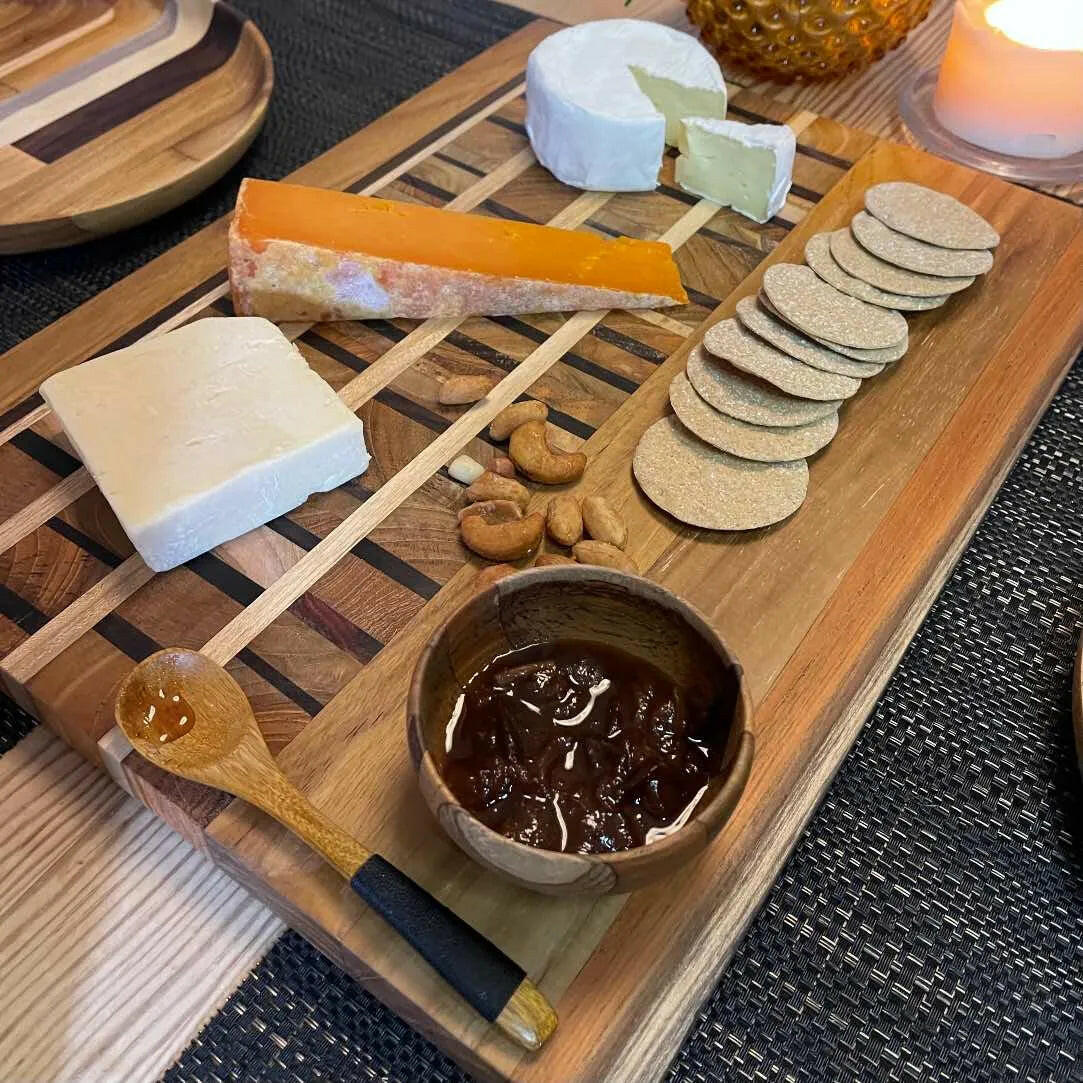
(1012, 76)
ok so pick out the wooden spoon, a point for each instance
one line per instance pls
(186, 714)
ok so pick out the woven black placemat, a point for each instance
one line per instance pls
(929, 925)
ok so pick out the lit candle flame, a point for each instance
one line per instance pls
(1040, 24)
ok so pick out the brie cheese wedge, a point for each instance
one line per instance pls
(748, 167)
(603, 99)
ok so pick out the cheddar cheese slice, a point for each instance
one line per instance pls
(298, 253)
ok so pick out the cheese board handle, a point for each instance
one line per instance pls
(492, 983)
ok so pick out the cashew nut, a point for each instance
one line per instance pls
(603, 523)
(551, 560)
(503, 466)
(531, 453)
(502, 511)
(493, 574)
(460, 390)
(501, 539)
(563, 520)
(464, 469)
(608, 556)
(519, 413)
(492, 486)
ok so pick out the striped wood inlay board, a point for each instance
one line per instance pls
(808, 606)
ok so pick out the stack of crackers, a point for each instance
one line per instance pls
(762, 392)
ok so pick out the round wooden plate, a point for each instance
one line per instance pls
(114, 111)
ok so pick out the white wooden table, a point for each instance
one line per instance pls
(89, 878)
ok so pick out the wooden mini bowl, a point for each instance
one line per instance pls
(585, 603)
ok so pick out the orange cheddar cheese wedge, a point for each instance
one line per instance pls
(310, 254)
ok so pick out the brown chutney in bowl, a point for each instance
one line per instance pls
(579, 730)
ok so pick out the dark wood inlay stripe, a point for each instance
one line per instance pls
(322, 618)
(20, 410)
(426, 417)
(590, 368)
(459, 164)
(431, 137)
(20, 612)
(126, 637)
(88, 545)
(511, 125)
(134, 334)
(628, 344)
(46, 452)
(701, 298)
(82, 125)
(307, 702)
(377, 556)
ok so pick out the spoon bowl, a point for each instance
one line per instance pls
(222, 714)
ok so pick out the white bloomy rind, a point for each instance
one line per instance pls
(202, 434)
(603, 98)
(748, 167)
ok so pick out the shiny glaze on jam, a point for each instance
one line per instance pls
(583, 748)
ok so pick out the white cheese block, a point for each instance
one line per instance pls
(202, 434)
(748, 167)
(603, 99)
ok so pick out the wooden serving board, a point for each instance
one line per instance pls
(321, 614)
(114, 111)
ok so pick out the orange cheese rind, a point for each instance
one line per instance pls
(309, 254)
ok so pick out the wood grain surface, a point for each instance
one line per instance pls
(335, 651)
(105, 141)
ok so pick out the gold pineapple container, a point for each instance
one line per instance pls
(804, 39)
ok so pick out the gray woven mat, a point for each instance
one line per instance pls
(929, 925)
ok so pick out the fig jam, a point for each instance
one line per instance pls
(584, 748)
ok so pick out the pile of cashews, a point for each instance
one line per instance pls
(495, 524)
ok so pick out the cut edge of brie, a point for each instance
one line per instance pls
(748, 167)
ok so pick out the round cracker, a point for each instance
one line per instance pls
(872, 357)
(818, 257)
(780, 335)
(816, 308)
(747, 399)
(705, 487)
(915, 255)
(750, 353)
(853, 259)
(757, 442)
(929, 215)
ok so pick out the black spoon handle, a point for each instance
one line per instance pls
(493, 984)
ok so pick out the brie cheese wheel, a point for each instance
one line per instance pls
(199, 435)
(603, 99)
(748, 167)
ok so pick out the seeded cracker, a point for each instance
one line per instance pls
(929, 215)
(704, 487)
(746, 441)
(748, 399)
(818, 257)
(853, 259)
(748, 352)
(917, 255)
(813, 306)
(771, 329)
(872, 357)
